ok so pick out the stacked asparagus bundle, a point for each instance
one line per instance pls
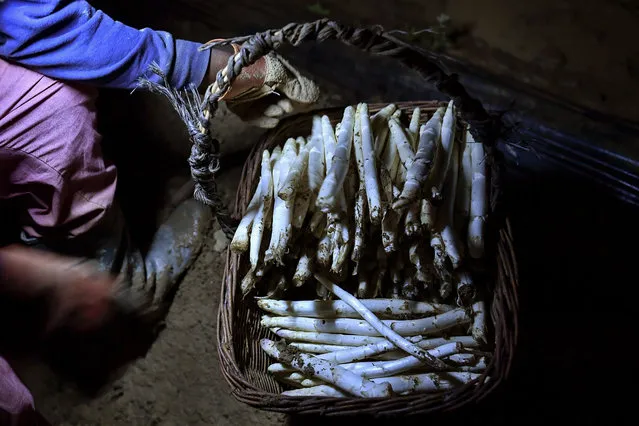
(381, 216)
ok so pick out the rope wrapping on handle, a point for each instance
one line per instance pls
(196, 112)
(204, 160)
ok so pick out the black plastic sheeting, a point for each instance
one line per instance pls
(554, 135)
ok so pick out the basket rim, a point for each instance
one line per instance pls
(245, 391)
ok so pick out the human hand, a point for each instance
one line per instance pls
(78, 295)
(267, 90)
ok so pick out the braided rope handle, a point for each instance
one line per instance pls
(197, 112)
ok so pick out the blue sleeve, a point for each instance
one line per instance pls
(70, 40)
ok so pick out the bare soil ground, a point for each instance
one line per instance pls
(580, 49)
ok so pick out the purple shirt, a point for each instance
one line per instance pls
(70, 40)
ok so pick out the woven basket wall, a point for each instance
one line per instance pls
(244, 364)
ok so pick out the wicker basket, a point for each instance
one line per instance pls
(243, 362)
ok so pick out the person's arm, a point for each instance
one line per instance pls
(70, 40)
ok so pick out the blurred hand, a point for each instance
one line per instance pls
(78, 294)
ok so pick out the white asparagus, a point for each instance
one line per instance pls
(317, 224)
(329, 141)
(479, 367)
(379, 126)
(466, 341)
(303, 194)
(267, 189)
(303, 271)
(427, 214)
(340, 256)
(478, 199)
(479, 321)
(336, 233)
(462, 359)
(240, 242)
(241, 239)
(422, 326)
(324, 251)
(300, 382)
(417, 257)
(413, 128)
(327, 371)
(352, 354)
(400, 178)
(402, 385)
(463, 192)
(379, 326)
(447, 142)
(360, 225)
(351, 183)
(390, 219)
(371, 179)
(340, 309)
(390, 161)
(441, 265)
(321, 291)
(317, 348)
(248, 282)
(291, 183)
(374, 369)
(357, 146)
(321, 390)
(328, 197)
(451, 245)
(282, 214)
(407, 363)
(302, 204)
(330, 145)
(300, 143)
(429, 382)
(361, 341)
(379, 119)
(445, 221)
(427, 151)
(368, 351)
(326, 338)
(412, 223)
(289, 156)
(316, 161)
(382, 140)
(402, 142)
